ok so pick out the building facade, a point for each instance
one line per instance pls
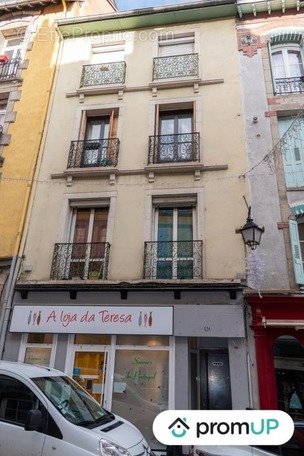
(270, 40)
(133, 266)
(28, 63)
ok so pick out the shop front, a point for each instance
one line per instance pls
(136, 360)
(278, 328)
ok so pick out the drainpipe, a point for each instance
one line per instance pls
(8, 301)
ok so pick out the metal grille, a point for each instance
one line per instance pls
(103, 73)
(174, 148)
(173, 260)
(84, 154)
(175, 66)
(289, 85)
(9, 69)
(80, 261)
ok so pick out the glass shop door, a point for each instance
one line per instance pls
(89, 370)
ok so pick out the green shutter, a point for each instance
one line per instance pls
(296, 252)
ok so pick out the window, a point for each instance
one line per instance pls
(86, 254)
(16, 400)
(3, 106)
(37, 348)
(296, 231)
(175, 254)
(97, 145)
(287, 68)
(107, 66)
(175, 139)
(291, 132)
(11, 55)
(176, 57)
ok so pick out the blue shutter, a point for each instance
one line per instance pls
(296, 252)
(292, 152)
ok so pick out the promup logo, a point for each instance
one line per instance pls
(179, 427)
(227, 427)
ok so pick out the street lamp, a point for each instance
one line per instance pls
(251, 232)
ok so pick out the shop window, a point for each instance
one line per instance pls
(141, 388)
(38, 348)
(92, 339)
(291, 132)
(98, 144)
(149, 341)
(175, 139)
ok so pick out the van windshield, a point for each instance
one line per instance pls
(72, 401)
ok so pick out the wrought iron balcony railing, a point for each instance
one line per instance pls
(289, 85)
(173, 260)
(93, 152)
(184, 147)
(8, 69)
(175, 66)
(80, 261)
(103, 73)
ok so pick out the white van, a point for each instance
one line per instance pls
(44, 412)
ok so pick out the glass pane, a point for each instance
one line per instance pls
(164, 270)
(165, 224)
(35, 355)
(295, 63)
(100, 225)
(140, 389)
(184, 224)
(167, 125)
(40, 338)
(278, 64)
(89, 372)
(185, 124)
(92, 339)
(185, 269)
(142, 340)
(82, 226)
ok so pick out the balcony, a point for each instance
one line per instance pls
(76, 261)
(184, 147)
(285, 86)
(8, 68)
(173, 260)
(175, 66)
(93, 153)
(103, 73)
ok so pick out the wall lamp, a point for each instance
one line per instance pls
(251, 232)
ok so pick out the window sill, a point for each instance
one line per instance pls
(181, 167)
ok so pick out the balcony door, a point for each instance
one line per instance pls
(88, 236)
(174, 243)
(96, 140)
(175, 136)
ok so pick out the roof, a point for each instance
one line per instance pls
(28, 370)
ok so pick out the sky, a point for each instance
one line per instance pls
(136, 4)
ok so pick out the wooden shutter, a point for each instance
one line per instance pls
(292, 154)
(271, 67)
(83, 125)
(113, 124)
(296, 252)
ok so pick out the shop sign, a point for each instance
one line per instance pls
(93, 320)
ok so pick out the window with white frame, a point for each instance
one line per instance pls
(176, 57)
(86, 254)
(291, 130)
(287, 67)
(3, 106)
(37, 348)
(175, 252)
(11, 44)
(107, 65)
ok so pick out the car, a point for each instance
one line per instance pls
(44, 412)
(294, 447)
